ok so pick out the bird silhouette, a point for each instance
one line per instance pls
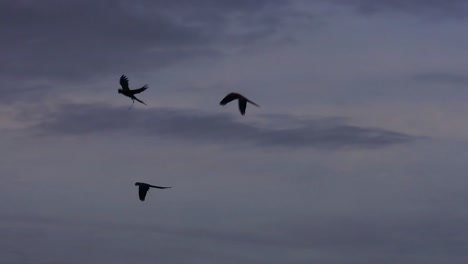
(143, 188)
(130, 93)
(242, 101)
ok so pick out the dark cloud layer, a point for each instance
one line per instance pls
(433, 8)
(83, 39)
(82, 119)
(73, 42)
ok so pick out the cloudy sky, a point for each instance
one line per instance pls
(357, 153)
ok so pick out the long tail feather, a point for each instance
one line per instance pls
(139, 100)
(159, 187)
(253, 103)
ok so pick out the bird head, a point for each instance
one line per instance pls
(119, 91)
(137, 183)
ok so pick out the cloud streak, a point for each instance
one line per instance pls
(194, 126)
(453, 9)
(77, 40)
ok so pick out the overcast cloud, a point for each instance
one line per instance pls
(188, 125)
(356, 155)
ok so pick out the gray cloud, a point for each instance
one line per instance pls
(81, 42)
(83, 39)
(189, 125)
(435, 8)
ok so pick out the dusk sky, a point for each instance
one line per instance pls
(358, 152)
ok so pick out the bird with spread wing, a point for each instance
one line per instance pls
(125, 90)
(143, 189)
(242, 101)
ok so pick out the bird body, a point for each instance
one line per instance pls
(143, 189)
(242, 101)
(125, 90)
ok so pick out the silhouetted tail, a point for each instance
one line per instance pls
(159, 187)
(252, 103)
(139, 100)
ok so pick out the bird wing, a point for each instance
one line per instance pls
(142, 190)
(124, 82)
(242, 105)
(139, 90)
(159, 187)
(229, 98)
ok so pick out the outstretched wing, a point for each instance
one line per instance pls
(142, 190)
(159, 187)
(139, 90)
(124, 82)
(242, 105)
(229, 98)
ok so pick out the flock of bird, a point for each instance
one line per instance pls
(143, 188)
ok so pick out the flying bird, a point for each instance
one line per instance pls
(242, 101)
(130, 93)
(143, 188)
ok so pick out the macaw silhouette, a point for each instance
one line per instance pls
(242, 101)
(125, 90)
(143, 188)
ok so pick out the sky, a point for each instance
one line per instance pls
(357, 153)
